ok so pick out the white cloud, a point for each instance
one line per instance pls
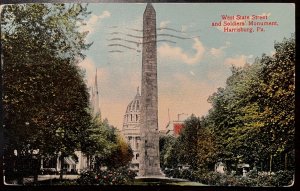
(163, 24)
(184, 28)
(176, 53)
(218, 52)
(94, 20)
(238, 61)
(192, 73)
(188, 28)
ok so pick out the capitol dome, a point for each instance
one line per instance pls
(132, 113)
(131, 128)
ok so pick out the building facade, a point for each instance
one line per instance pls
(131, 128)
(174, 127)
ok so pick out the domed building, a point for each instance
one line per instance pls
(131, 128)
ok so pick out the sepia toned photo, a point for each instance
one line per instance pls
(148, 94)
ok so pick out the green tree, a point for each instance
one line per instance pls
(187, 152)
(104, 147)
(120, 156)
(253, 116)
(203, 151)
(279, 92)
(166, 145)
(235, 114)
(45, 99)
(199, 154)
(101, 141)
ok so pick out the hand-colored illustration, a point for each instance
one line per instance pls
(190, 94)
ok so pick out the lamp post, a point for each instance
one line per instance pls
(61, 133)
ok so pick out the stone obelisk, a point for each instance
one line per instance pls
(149, 153)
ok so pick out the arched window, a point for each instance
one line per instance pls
(137, 117)
(137, 156)
(130, 117)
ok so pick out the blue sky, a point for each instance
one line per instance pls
(189, 70)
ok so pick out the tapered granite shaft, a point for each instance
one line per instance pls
(149, 155)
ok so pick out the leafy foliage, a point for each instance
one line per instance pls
(166, 151)
(252, 120)
(45, 99)
(180, 151)
(106, 146)
(119, 176)
(253, 116)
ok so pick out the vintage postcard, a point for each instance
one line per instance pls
(184, 94)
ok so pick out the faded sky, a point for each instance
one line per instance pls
(189, 70)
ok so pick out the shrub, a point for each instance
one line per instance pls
(176, 173)
(283, 178)
(69, 183)
(262, 179)
(245, 181)
(280, 178)
(168, 172)
(87, 178)
(118, 176)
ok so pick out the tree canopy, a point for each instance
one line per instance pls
(252, 119)
(253, 116)
(45, 98)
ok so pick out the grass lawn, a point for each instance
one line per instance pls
(188, 184)
(159, 182)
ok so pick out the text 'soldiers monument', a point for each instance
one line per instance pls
(149, 155)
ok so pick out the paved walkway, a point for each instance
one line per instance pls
(49, 177)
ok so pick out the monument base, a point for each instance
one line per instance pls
(160, 174)
(159, 181)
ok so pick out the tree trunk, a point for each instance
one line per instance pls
(91, 162)
(20, 170)
(88, 162)
(61, 167)
(271, 157)
(285, 161)
(35, 171)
